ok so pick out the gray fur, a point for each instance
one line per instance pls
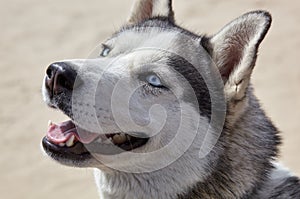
(241, 163)
(248, 147)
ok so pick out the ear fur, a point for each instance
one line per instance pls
(146, 9)
(234, 50)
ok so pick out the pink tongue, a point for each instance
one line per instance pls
(60, 133)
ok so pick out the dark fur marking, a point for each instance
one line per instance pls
(171, 13)
(288, 189)
(196, 82)
(247, 149)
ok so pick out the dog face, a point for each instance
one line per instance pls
(132, 90)
(147, 100)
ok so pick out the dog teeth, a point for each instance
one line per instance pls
(107, 141)
(50, 123)
(119, 138)
(99, 139)
(61, 144)
(128, 137)
(70, 141)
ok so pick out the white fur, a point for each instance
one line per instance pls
(162, 182)
(280, 171)
(160, 8)
(169, 163)
(250, 26)
(239, 78)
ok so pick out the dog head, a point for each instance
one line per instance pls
(152, 94)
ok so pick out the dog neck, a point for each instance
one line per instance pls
(240, 162)
(246, 162)
(165, 183)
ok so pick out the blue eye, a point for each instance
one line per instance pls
(154, 80)
(106, 50)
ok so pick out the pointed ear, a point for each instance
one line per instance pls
(234, 50)
(145, 9)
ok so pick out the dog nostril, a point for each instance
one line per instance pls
(63, 82)
(60, 78)
(49, 72)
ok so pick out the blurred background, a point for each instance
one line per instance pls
(35, 33)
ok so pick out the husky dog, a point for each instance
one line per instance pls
(162, 112)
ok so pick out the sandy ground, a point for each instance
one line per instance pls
(35, 33)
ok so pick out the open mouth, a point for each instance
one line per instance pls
(66, 140)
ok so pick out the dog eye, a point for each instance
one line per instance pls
(154, 80)
(106, 50)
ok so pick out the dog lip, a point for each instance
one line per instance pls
(112, 149)
(52, 106)
(82, 152)
(84, 142)
(77, 152)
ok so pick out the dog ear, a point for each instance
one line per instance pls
(145, 9)
(234, 50)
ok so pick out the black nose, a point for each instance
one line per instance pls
(60, 78)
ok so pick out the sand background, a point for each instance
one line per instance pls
(35, 33)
